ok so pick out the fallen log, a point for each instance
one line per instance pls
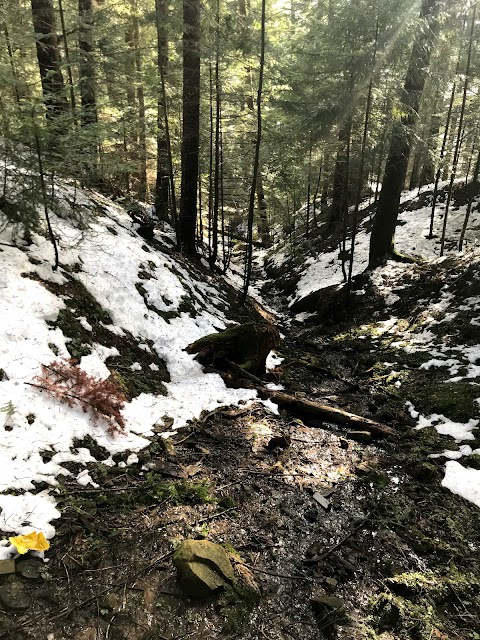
(308, 409)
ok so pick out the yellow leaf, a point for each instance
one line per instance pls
(34, 541)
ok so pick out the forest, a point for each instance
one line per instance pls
(239, 346)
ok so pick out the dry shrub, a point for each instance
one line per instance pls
(63, 379)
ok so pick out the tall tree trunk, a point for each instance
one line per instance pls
(262, 225)
(256, 162)
(460, 133)
(142, 132)
(383, 232)
(12, 62)
(340, 184)
(162, 177)
(442, 155)
(216, 175)
(87, 64)
(191, 124)
(427, 175)
(87, 88)
(361, 169)
(48, 56)
(69, 62)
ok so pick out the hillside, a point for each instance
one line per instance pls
(331, 532)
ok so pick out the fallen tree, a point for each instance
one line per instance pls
(314, 410)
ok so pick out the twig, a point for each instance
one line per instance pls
(107, 632)
(272, 573)
(329, 551)
(213, 516)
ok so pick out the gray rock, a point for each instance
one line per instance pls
(203, 567)
(322, 603)
(30, 568)
(13, 595)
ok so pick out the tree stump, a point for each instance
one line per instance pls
(247, 345)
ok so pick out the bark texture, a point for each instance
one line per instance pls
(383, 232)
(191, 125)
(48, 56)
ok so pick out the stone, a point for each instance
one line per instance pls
(203, 567)
(30, 568)
(343, 443)
(321, 500)
(331, 584)
(13, 595)
(360, 436)
(322, 603)
(110, 601)
(7, 566)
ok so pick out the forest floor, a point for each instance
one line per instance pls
(389, 553)
(332, 534)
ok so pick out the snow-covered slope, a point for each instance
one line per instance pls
(322, 268)
(131, 292)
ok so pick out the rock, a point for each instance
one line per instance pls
(110, 601)
(321, 500)
(343, 443)
(30, 568)
(360, 436)
(203, 567)
(246, 345)
(322, 603)
(331, 584)
(13, 595)
(7, 566)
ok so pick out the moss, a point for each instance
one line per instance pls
(473, 461)
(177, 491)
(430, 394)
(79, 339)
(237, 606)
(247, 344)
(410, 621)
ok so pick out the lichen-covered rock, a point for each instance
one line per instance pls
(203, 567)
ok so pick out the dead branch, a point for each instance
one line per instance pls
(309, 409)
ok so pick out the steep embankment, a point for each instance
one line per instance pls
(126, 309)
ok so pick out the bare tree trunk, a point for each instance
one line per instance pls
(251, 208)
(12, 62)
(142, 133)
(361, 169)
(87, 87)
(191, 124)
(216, 175)
(383, 232)
(460, 131)
(162, 177)
(48, 55)
(173, 199)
